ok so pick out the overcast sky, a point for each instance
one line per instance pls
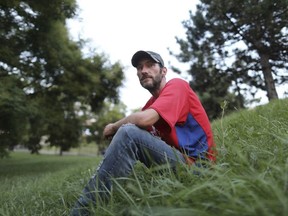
(119, 28)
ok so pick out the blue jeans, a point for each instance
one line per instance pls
(129, 145)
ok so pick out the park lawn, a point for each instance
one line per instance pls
(41, 184)
(249, 178)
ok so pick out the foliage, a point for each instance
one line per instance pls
(13, 114)
(109, 113)
(236, 45)
(250, 176)
(212, 87)
(44, 75)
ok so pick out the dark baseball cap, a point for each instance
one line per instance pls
(139, 55)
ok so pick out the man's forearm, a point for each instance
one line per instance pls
(112, 128)
(142, 119)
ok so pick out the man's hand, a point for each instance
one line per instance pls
(109, 130)
(142, 119)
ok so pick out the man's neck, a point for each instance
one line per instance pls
(157, 92)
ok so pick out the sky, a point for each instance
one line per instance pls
(119, 28)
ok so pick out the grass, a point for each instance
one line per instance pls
(249, 178)
(41, 184)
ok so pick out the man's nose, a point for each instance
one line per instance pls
(144, 69)
(144, 73)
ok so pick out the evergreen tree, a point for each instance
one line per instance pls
(243, 42)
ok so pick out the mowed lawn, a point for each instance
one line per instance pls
(249, 178)
(42, 184)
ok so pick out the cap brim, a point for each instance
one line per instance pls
(138, 56)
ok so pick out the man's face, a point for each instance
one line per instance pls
(150, 74)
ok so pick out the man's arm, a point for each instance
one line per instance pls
(142, 119)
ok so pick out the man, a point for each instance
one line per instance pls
(171, 128)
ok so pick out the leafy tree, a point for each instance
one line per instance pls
(244, 42)
(96, 122)
(13, 114)
(51, 74)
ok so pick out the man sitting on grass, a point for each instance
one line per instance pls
(171, 128)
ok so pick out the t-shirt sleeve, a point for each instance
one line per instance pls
(172, 104)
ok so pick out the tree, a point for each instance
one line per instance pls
(13, 114)
(51, 73)
(212, 86)
(96, 122)
(244, 41)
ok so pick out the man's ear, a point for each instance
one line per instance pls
(164, 71)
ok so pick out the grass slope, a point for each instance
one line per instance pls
(249, 178)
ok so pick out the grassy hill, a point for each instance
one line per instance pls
(249, 178)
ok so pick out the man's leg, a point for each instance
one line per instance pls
(129, 145)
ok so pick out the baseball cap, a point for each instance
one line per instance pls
(146, 54)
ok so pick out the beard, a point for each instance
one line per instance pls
(154, 84)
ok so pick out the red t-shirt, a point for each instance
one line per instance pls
(184, 123)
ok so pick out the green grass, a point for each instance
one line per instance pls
(41, 184)
(249, 178)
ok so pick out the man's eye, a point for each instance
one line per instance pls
(150, 64)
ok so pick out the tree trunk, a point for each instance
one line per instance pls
(268, 78)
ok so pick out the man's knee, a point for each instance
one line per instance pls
(130, 134)
(130, 130)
